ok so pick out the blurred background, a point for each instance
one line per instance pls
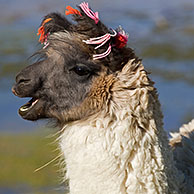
(160, 32)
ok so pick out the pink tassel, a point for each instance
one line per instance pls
(46, 43)
(85, 7)
(99, 56)
(101, 41)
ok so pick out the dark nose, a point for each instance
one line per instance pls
(25, 85)
(22, 83)
(28, 81)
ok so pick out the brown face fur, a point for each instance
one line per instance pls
(66, 83)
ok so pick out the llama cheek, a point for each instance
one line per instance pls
(97, 98)
(99, 94)
(100, 90)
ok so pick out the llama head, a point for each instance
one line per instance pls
(68, 83)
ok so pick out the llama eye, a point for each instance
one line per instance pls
(81, 70)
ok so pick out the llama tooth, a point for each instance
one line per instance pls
(33, 103)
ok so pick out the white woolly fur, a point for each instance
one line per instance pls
(123, 149)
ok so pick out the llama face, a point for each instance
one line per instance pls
(68, 84)
(59, 84)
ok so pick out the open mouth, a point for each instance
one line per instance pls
(28, 106)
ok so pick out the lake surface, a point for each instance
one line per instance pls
(161, 33)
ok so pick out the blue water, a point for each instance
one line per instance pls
(153, 22)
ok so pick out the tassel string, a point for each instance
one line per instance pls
(101, 41)
(106, 53)
(85, 7)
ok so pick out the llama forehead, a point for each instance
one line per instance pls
(66, 36)
(66, 42)
(69, 48)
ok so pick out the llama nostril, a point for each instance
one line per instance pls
(24, 81)
(21, 79)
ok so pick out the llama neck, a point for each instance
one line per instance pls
(123, 149)
(112, 158)
(91, 165)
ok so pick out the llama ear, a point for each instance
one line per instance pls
(53, 22)
(88, 24)
(57, 23)
(105, 44)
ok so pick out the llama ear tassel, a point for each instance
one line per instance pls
(41, 31)
(53, 22)
(121, 39)
(71, 10)
(85, 8)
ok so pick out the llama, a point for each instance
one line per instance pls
(99, 93)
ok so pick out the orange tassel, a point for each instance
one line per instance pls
(41, 31)
(71, 10)
(46, 21)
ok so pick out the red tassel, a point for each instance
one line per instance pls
(120, 40)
